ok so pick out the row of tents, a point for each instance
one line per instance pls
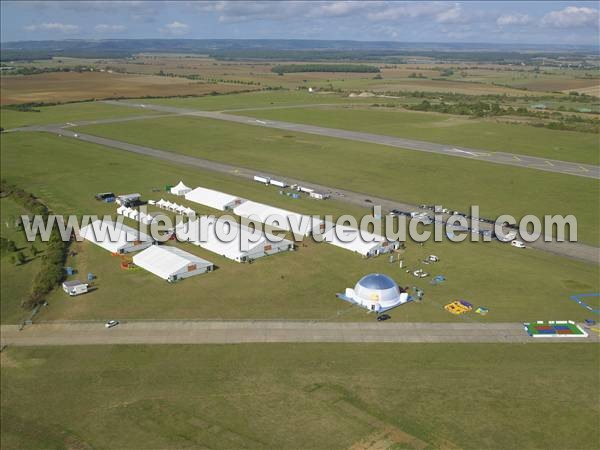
(173, 207)
(140, 216)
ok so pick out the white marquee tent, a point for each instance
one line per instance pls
(115, 236)
(181, 189)
(213, 199)
(171, 263)
(367, 244)
(259, 244)
(299, 224)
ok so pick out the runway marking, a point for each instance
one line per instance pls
(549, 163)
(584, 169)
(517, 158)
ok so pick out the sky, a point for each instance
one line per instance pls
(521, 22)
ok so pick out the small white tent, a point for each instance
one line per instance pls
(171, 263)
(181, 189)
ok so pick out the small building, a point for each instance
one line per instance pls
(171, 263)
(129, 199)
(74, 287)
(115, 237)
(213, 199)
(376, 292)
(180, 189)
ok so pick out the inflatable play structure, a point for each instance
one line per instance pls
(458, 307)
(554, 329)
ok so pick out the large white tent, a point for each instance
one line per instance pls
(299, 224)
(180, 189)
(171, 263)
(115, 236)
(213, 199)
(247, 244)
(365, 243)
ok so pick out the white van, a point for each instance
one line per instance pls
(518, 244)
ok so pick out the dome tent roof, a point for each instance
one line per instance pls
(377, 281)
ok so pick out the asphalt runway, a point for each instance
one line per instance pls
(239, 332)
(574, 250)
(510, 159)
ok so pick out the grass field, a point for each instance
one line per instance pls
(485, 134)
(299, 284)
(405, 175)
(58, 114)
(322, 396)
(16, 279)
(70, 86)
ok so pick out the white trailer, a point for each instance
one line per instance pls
(74, 287)
(281, 184)
(261, 179)
(305, 189)
(319, 195)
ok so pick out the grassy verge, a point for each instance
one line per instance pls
(310, 396)
(486, 134)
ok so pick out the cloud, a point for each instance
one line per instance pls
(400, 11)
(175, 29)
(513, 19)
(572, 17)
(452, 16)
(104, 28)
(53, 26)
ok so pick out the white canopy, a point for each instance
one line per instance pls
(180, 189)
(365, 243)
(299, 224)
(165, 261)
(113, 236)
(213, 199)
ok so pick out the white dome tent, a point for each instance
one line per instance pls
(376, 292)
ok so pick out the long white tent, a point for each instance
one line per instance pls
(171, 263)
(214, 199)
(115, 236)
(299, 224)
(365, 243)
(247, 244)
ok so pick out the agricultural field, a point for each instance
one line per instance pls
(321, 269)
(413, 396)
(389, 172)
(487, 134)
(72, 86)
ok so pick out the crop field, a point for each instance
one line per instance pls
(388, 172)
(71, 86)
(415, 396)
(240, 291)
(486, 134)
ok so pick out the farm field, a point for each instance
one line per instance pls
(448, 129)
(414, 396)
(238, 291)
(44, 115)
(388, 172)
(72, 86)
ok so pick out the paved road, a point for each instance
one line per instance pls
(235, 332)
(511, 159)
(574, 250)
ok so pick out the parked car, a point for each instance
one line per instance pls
(368, 200)
(518, 244)
(382, 317)
(111, 323)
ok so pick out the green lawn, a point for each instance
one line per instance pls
(413, 177)
(10, 118)
(16, 279)
(516, 285)
(309, 396)
(447, 129)
(257, 99)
